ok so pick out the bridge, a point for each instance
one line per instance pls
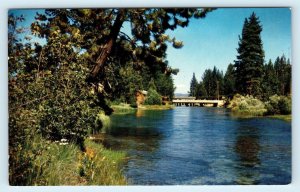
(191, 101)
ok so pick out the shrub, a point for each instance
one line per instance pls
(278, 105)
(285, 105)
(102, 122)
(153, 98)
(247, 105)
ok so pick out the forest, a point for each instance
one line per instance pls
(60, 90)
(249, 76)
(71, 65)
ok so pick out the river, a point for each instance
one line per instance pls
(202, 146)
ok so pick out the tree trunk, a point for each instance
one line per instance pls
(106, 50)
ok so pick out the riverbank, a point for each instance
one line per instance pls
(156, 107)
(127, 109)
(287, 118)
(63, 163)
(122, 108)
(248, 106)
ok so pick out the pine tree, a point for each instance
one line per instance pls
(193, 86)
(201, 91)
(98, 34)
(283, 74)
(229, 81)
(213, 83)
(270, 81)
(250, 59)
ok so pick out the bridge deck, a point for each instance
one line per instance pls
(196, 101)
(215, 103)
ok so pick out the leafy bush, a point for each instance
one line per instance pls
(153, 98)
(285, 105)
(247, 105)
(279, 105)
(67, 112)
(102, 123)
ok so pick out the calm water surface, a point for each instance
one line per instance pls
(193, 145)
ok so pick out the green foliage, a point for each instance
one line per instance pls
(229, 81)
(153, 98)
(285, 105)
(51, 96)
(123, 108)
(67, 113)
(250, 59)
(151, 85)
(47, 96)
(213, 83)
(283, 73)
(63, 163)
(101, 166)
(165, 85)
(247, 105)
(102, 123)
(98, 33)
(193, 86)
(277, 78)
(201, 91)
(279, 105)
(22, 151)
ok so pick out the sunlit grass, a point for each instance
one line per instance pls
(282, 117)
(156, 107)
(123, 108)
(107, 165)
(66, 164)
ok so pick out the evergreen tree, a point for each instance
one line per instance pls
(193, 86)
(165, 85)
(250, 59)
(229, 81)
(201, 91)
(207, 81)
(288, 87)
(97, 33)
(213, 83)
(283, 73)
(270, 81)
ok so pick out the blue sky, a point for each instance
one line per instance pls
(213, 41)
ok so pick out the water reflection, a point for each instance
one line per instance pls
(140, 113)
(247, 148)
(193, 145)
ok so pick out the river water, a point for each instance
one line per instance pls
(198, 145)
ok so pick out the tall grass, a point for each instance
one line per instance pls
(62, 163)
(58, 165)
(123, 108)
(107, 165)
(102, 123)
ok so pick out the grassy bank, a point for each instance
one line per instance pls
(61, 163)
(282, 117)
(123, 108)
(275, 107)
(156, 107)
(126, 108)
